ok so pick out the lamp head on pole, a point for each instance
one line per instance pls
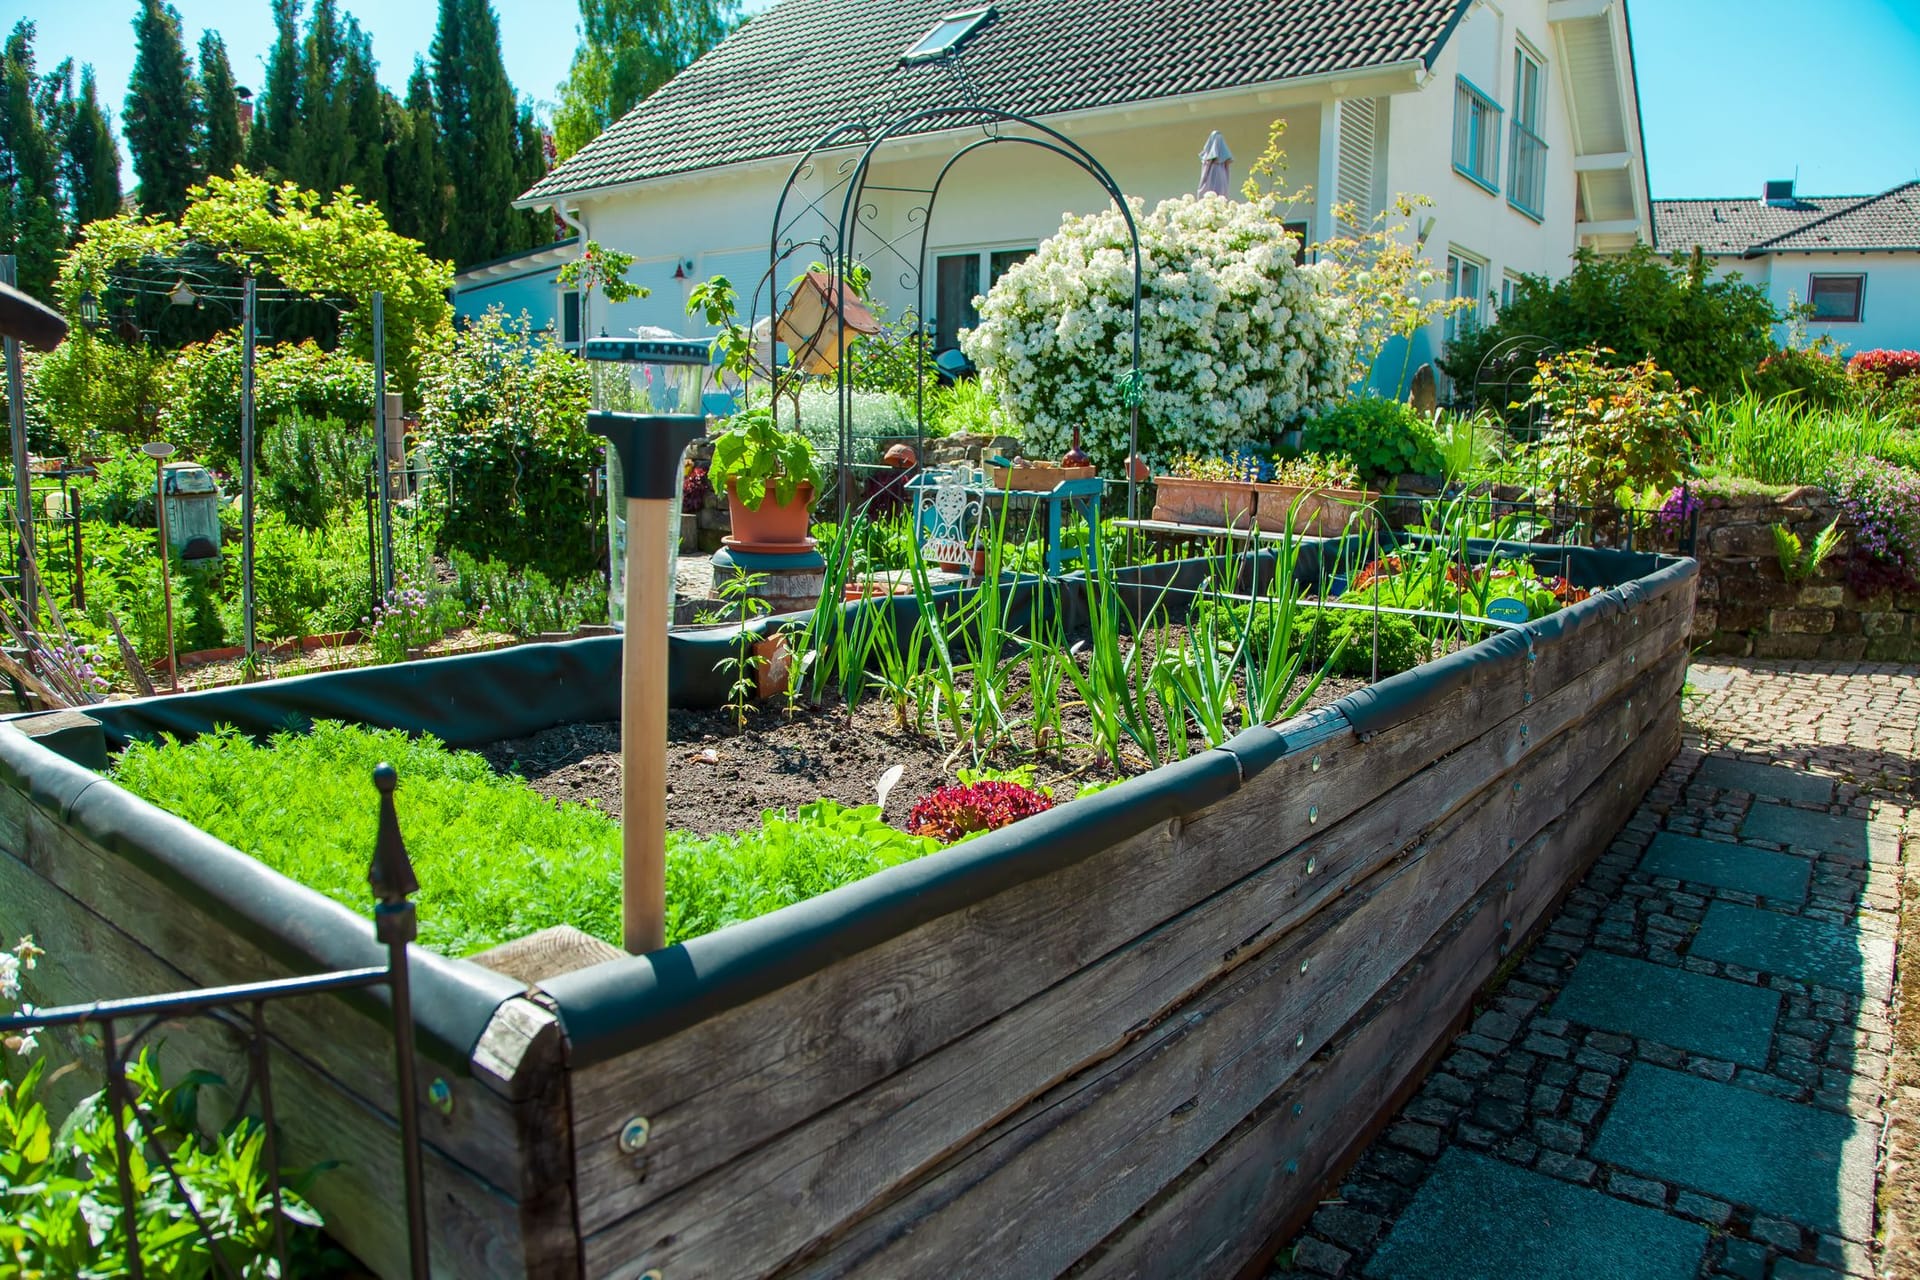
(90, 310)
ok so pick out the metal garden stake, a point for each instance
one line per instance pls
(160, 451)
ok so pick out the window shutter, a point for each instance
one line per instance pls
(1354, 179)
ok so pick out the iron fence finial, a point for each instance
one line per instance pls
(391, 874)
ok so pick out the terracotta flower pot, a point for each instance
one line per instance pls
(774, 528)
(1215, 504)
(1315, 513)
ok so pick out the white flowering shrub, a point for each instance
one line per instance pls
(1236, 342)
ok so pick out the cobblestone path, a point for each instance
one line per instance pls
(1684, 1076)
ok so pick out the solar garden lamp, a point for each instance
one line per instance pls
(160, 451)
(648, 406)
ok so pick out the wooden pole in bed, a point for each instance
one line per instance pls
(643, 728)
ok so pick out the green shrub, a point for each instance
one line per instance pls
(202, 409)
(1811, 376)
(503, 427)
(496, 860)
(893, 361)
(875, 416)
(1611, 427)
(313, 466)
(966, 407)
(523, 602)
(65, 1215)
(92, 388)
(122, 492)
(1710, 334)
(1382, 437)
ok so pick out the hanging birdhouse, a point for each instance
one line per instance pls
(821, 322)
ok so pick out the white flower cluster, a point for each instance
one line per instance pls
(1237, 343)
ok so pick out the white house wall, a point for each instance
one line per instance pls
(1010, 196)
(1467, 216)
(1004, 196)
(1890, 310)
(534, 294)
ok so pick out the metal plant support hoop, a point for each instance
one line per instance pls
(833, 245)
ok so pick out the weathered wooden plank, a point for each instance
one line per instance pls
(735, 1080)
(521, 1058)
(474, 1226)
(345, 1043)
(1252, 1191)
(1030, 1195)
(762, 1207)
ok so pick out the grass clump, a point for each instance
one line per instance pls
(495, 859)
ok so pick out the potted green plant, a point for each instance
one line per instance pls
(770, 477)
(1316, 495)
(1213, 491)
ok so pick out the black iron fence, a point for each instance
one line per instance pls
(243, 1009)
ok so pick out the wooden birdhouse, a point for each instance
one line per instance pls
(821, 322)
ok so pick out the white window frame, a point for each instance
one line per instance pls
(1509, 281)
(1859, 315)
(967, 20)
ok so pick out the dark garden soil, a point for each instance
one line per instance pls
(720, 780)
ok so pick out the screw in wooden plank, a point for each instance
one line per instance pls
(634, 1134)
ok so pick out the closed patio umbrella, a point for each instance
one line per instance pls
(1214, 159)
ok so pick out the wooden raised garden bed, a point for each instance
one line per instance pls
(1135, 1035)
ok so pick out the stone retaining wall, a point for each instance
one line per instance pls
(1747, 608)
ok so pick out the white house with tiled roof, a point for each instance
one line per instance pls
(1519, 118)
(1855, 259)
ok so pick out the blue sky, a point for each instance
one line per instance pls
(1732, 92)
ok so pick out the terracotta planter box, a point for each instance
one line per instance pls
(1214, 504)
(1315, 513)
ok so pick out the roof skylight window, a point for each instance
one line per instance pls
(948, 32)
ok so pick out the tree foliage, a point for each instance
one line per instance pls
(1710, 334)
(333, 247)
(221, 146)
(503, 415)
(416, 173)
(271, 143)
(30, 225)
(162, 116)
(629, 48)
(91, 159)
(478, 132)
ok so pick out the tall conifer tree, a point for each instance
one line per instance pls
(477, 130)
(221, 144)
(629, 48)
(369, 120)
(161, 116)
(416, 174)
(270, 147)
(91, 158)
(321, 148)
(30, 225)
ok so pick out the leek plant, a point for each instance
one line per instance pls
(1114, 689)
